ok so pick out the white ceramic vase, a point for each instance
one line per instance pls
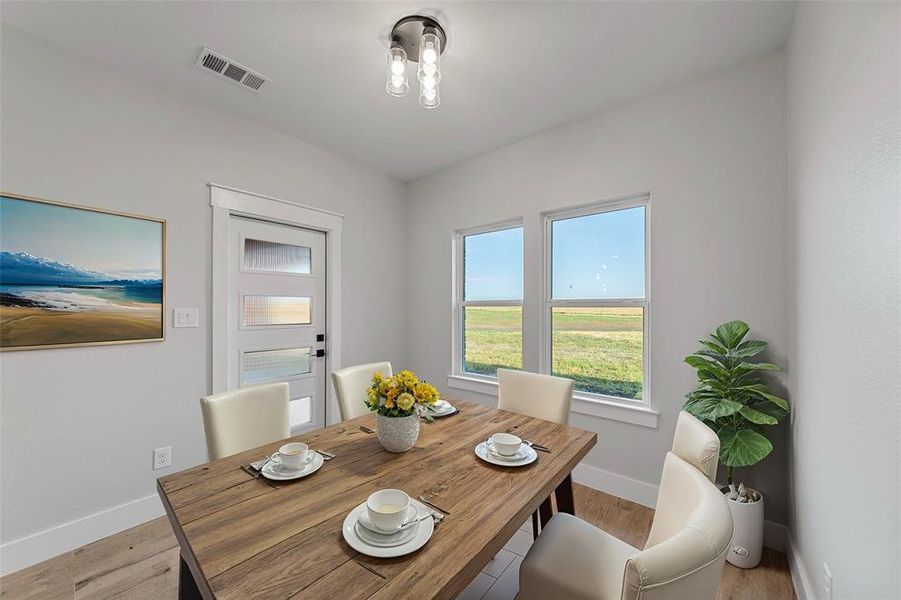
(747, 534)
(397, 434)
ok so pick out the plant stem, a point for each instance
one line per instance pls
(729, 475)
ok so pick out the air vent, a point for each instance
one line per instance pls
(225, 67)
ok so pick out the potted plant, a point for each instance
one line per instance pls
(733, 401)
(399, 401)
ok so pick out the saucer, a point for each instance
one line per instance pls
(485, 454)
(372, 536)
(521, 454)
(442, 410)
(350, 531)
(367, 523)
(273, 470)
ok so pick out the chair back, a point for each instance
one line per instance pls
(540, 396)
(351, 385)
(692, 527)
(245, 418)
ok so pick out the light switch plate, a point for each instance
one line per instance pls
(185, 317)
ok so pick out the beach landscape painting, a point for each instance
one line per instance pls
(72, 275)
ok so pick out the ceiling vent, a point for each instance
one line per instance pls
(226, 67)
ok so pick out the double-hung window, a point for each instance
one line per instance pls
(488, 307)
(596, 303)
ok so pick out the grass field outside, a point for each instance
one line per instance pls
(599, 348)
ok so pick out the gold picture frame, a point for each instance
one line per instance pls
(68, 303)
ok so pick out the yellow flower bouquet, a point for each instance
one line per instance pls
(401, 395)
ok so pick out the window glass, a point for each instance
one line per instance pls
(599, 256)
(492, 265)
(266, 365)
(276, 310)
(600, 348)
(492, 339)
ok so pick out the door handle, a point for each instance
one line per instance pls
(320, 353)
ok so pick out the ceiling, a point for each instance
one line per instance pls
(511, 69)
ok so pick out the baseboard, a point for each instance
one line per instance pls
(775, 535)
(804, 590)
(38, 547)
(618, 485)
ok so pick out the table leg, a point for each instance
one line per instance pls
(564, 495)
(545, 512)
(534, 525)
(187, 587)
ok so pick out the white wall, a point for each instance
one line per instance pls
(712, 154)
(844, 183)
(79, 425)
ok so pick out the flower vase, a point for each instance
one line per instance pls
(397, 434)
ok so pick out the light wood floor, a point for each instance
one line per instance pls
(143, 562)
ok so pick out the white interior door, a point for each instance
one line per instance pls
(276, 313)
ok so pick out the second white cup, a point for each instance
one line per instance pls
(505, 444)
(387, 509)
(292, 456)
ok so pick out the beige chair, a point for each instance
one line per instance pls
(540, 396)
(684, 554)
(351, 385)
(242, 419)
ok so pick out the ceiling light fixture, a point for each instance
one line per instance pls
(419, 39)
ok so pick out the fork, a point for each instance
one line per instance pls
(536, 446)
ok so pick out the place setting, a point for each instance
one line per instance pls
(389, 524)
(293, 460)
(508, 450)
(442, 408)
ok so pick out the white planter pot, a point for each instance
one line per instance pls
(747, 536)
(397, 434)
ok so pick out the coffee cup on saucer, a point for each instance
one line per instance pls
(292, 456)
(387, 509)
(505, 444)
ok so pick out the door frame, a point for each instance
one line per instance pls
(226, 202)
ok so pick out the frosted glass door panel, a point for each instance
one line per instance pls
(261, 311)
(273, 365)
(275, 257)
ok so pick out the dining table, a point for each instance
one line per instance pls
(244, 536)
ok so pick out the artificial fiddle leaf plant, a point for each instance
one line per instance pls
(731, 398)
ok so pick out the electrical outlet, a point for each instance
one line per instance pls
(162, 458)
(827, 582)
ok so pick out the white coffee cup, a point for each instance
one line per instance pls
(387, 509)
(292, 456)
(505, 444)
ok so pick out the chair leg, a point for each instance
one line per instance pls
(545, 512)
(534, 525)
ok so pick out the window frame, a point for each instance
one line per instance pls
(549, 303)
(459, 303)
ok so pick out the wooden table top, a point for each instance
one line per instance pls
(245, 537)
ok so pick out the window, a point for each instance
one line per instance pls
(489, 300)
(597, 302)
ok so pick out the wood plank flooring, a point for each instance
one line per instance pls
(142, 562)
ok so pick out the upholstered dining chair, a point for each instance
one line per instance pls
(540, 396)
(245, 418)
(351, 385)
(685, 551)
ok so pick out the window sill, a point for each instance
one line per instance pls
(635, 414)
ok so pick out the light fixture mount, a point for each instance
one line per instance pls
(407, 34)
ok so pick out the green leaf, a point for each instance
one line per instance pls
(731, 333)
(759, 367)
(720, 358)
(714, 347)
(755, 416)
(768, 408)
(702, 364)
(750, 348)
(780, 402)
(742, 447)
(708, 409)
